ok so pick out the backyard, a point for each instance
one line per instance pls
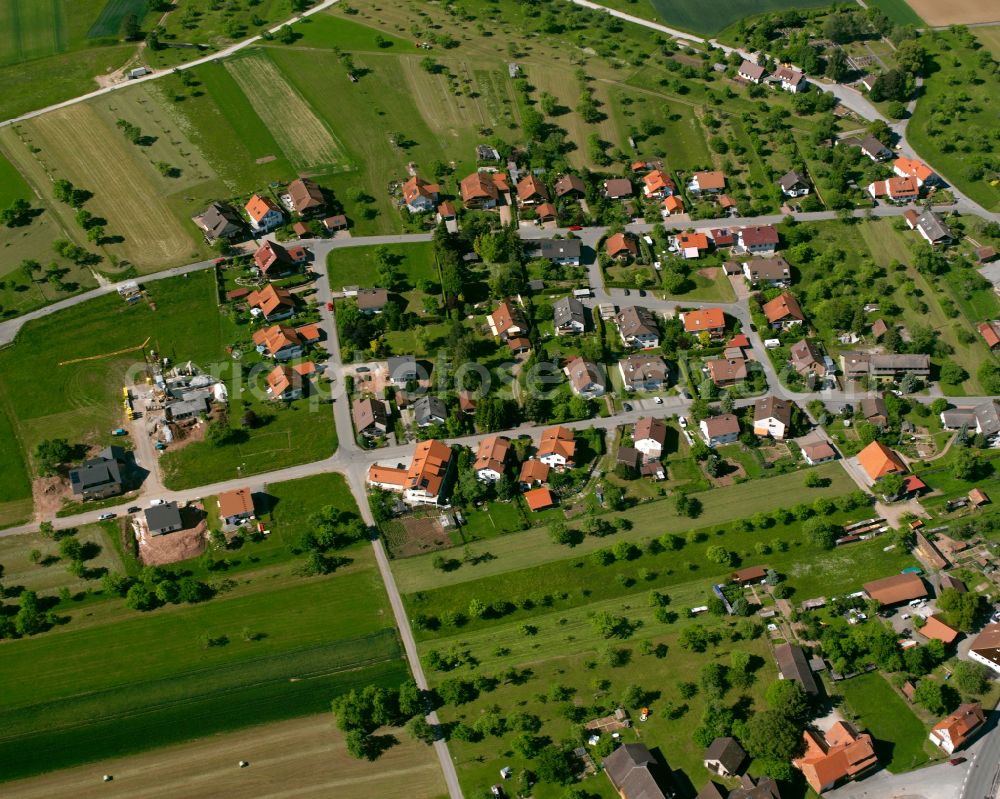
(900, 737)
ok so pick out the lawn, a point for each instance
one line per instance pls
(356, 266)
(530, 549)
(900, 737)
(138, 681)
(952, 131)
(12, 185)
(109, 22)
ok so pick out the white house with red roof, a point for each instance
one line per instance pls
(263, 213)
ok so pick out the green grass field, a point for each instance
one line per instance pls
(15, 485)
(900, 737)
(18, 569)
(990, 38)
(139, 681)
(564, 651)
(328, 31)
(12, 185)
(532, 548)
(300, 433)
(950, 133)
(109, 22)
(714, 16)
(898, 11)
(810, 572)
(355, 266)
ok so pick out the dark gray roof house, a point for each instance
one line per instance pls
(100, 476)
(566, 251)
(569, 315)
(429, 410)
(220, 221)
(725, 757)
(932, 228)
(162, 519)
(793, 182)
(402, 369)
(792, 665)
(630, 768)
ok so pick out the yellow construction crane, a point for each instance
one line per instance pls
(106, 354)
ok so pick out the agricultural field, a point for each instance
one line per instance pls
(66, 42)
(81, 144)
(898, 11)
(270, 644)
(953, 131)
(308, 143)
(954, 12)
(141, 682)
(306, 755)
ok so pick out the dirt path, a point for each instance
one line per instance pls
(303, 758)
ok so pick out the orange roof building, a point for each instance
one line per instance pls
(273, 303)
(783, 310)
(280, 341)
(841, 755)
(284, 383)
(878, 460)
(425, 481)
(539, 499)
(236, 505)
(263, 213)
(938, 630)
(483, 189)
(954, 731)
(657, 184)
(419, 195)
(692, 245)
(896, 589)
(530, 190)
(914, 168)
(673, 205)
(533, 472)
(991, 335)
(491, 458)
(621, 245)
(711, 319)
(557, 447)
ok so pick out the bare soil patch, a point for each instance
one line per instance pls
(422, 535)
(955, 12)
(48, 494)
